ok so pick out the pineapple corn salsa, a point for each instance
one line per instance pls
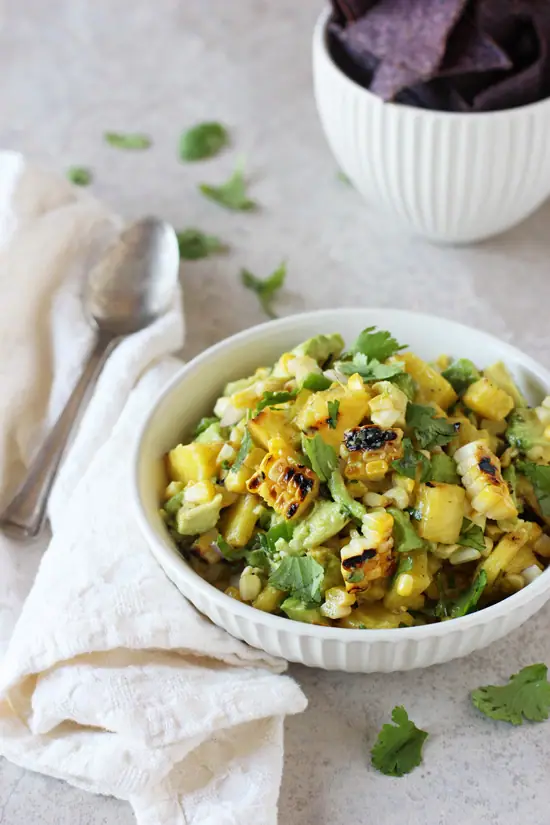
(365, 488)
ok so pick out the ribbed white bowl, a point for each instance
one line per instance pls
(450, 177)
(192, 394)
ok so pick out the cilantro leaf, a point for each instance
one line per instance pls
(398, 748)
(204, 424)
(257, 557)
(203, 141)
(283, 531)
(443, 469)
(404, 565)
(194, 244)
(79, 175)
(539, 476)
(231, 194)
(526, 696)
(405, 536)
(469, 599)
(130, 141)
(322, 456)
(266, 288)
(333, 407)
(244, 449)
(316, 382)
(229, 553)
(430, 431)
(301, 576)
(471, 535)
(407, 465)
(376, 344)
(271, 399)
(370, 369)
(461, 374)
(405, 383)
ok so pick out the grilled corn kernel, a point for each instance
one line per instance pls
(290, 488)
(400, 497)
(338, 603)
(482, 478)
(250, 586)
(404, 584)
(369, 556)
(369, 450)
(375, 500)
(376, 470)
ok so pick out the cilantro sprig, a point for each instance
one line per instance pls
(410, 461)
(265, 288)
(370, 369)
(471, 535)
(232, 194)
(271, 399)
(132, 141)
(300, 576)
(525, 697)
(405, 537)
(203, 141)
(429, 429)
(398, 748)
(244, 449)
(376, 344)
(333, 407)
(539, 476)
(322, 456)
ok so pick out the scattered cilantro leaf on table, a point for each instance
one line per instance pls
(539, 476)
(300, 576)
(266, 288)
(194, 244)
(333, 407)
(131, 141)
(398, 748)
(430, 431)
(203, 141)
(231, 194)
(322, 456)
(526, 696)
(79, 175)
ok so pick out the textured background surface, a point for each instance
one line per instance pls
(73, 69)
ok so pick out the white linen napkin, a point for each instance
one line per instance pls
(110, 679)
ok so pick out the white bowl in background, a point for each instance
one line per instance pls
(450, 177)
(192, 393)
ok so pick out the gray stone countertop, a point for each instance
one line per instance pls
(73, 69)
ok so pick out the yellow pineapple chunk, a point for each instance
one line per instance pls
(193, 462)
(442, 510)
(375, 617)
(235, 480)
(503, 554)
(353, 407)
(238, 522)
(432, 387)
(287, 486)
(488, 400)
(271, 423)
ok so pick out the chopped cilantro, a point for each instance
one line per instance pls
(271, 399)
(269, 540)
(398, 748)
(430, 431)
(265, 288)
(333, 407)
(443, 469)
(203, 141)
(471, 535)
(469, 599)
(539, 476)
(370, 369)
(526, 696)
(405, 383)
(300, 576)
(376, 344)
(405, 565)
(407, 465)
(231, 194)
(229, 553)
(316, 382)
(323, 457)
(194, 244)
(244, 449)
(79, 175)
(132, 141)
(461, 374)
(405, 536)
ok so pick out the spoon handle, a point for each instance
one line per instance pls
(26, 514)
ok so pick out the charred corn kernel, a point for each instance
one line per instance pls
(542, 546)
(482, 478)
(314, 416)
(235, 480)
(511, 583)
(432, 387)
(375, 470)
(465, 555)
(375, 500)
(441, 508)
(338, 603)
(233, 592)
(356, 383)
(388, 407)
(369, 556)
(284, 484)
(488, 400)
(250, 586)
(502, 555)
(199, 492)
(239, 520)
(173, 489)
(193, 462)
(375, 617)
(404, 584)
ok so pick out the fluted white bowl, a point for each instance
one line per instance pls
(450, 177)
(192, 394)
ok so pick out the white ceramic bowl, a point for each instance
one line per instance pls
(450, 177)
(191, 395)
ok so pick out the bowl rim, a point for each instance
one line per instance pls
(320, 46)
(173, 562)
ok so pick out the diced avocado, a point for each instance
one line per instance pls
(321, 347)
(241, 384)
(192, 520)
(498, 373)
(525, 431)
(211, 434)
(300, 612)
(325, 520)
(461, 374)
(331, 563)
(341, 496)
(443, 469)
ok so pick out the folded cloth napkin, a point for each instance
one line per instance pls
(110, 679)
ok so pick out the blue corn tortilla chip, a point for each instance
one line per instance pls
(470, 49)
(351, 9)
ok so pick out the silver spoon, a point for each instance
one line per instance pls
(131, 286)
